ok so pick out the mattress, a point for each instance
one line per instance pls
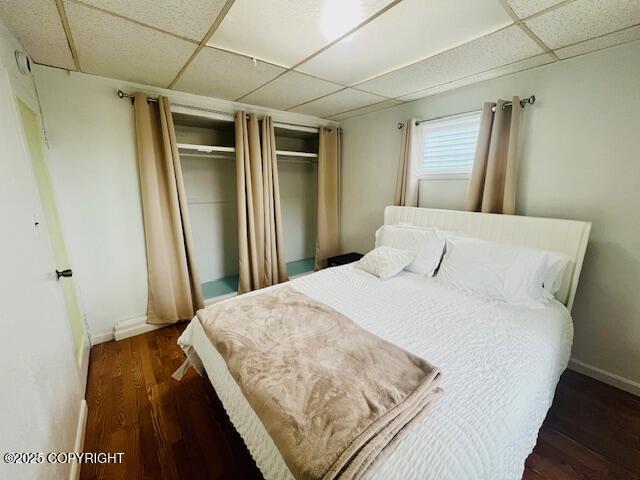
(500, 365)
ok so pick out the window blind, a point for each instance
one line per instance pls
(449, 145)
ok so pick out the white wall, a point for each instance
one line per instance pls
(213, 209)
(41, 387)
(579, 159)
(92, 159)
(298, 199)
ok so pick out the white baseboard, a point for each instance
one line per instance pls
(74, 474)
(132, 327)
(97, 338)
(605, 377)
(84, 362)
(138, 325)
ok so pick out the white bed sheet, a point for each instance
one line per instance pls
(500, 365)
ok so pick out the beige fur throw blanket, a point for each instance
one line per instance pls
(333, 396)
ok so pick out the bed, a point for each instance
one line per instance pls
(500, 362)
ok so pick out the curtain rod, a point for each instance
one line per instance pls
(530, 100)
(122, 94)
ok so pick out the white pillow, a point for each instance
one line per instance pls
(385, 262)
(426, 244)
(507, 273)
(441, 233)
(555, 269)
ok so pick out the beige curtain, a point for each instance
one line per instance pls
(408, 177)
(260, 244)
(328, 222)
(175, 292)
(275, 268)
(494, 177)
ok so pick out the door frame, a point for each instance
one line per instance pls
(82, 357)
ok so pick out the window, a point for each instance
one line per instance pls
(449, 146)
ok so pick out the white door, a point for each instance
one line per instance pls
(51, 219)
(41, 389)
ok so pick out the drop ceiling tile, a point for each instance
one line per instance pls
(37, 25)
(409, 32)
(584, 19)
(117, 48)
(515, 67)
(187, 18)
(221, 74)
(622, 36)
(289, 90)
(361, 111)
(526, 8)
(339, 102)
(285, 32)
(497, 49)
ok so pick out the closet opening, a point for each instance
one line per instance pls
(298, 172)
(207, 154)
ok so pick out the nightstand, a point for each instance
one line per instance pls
(343, 259)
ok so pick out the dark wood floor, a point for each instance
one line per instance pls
(170, 429)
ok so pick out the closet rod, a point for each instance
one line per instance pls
(122, 94)
(221, 156)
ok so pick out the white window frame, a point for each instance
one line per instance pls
(442, 122)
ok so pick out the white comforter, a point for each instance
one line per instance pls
(500, 367)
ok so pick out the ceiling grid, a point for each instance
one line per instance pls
(330, 58)
(205, 39)
(67, 31)
(518, 21)
(85, 4)
(329, 45)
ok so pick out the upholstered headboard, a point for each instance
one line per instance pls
(564, 236)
